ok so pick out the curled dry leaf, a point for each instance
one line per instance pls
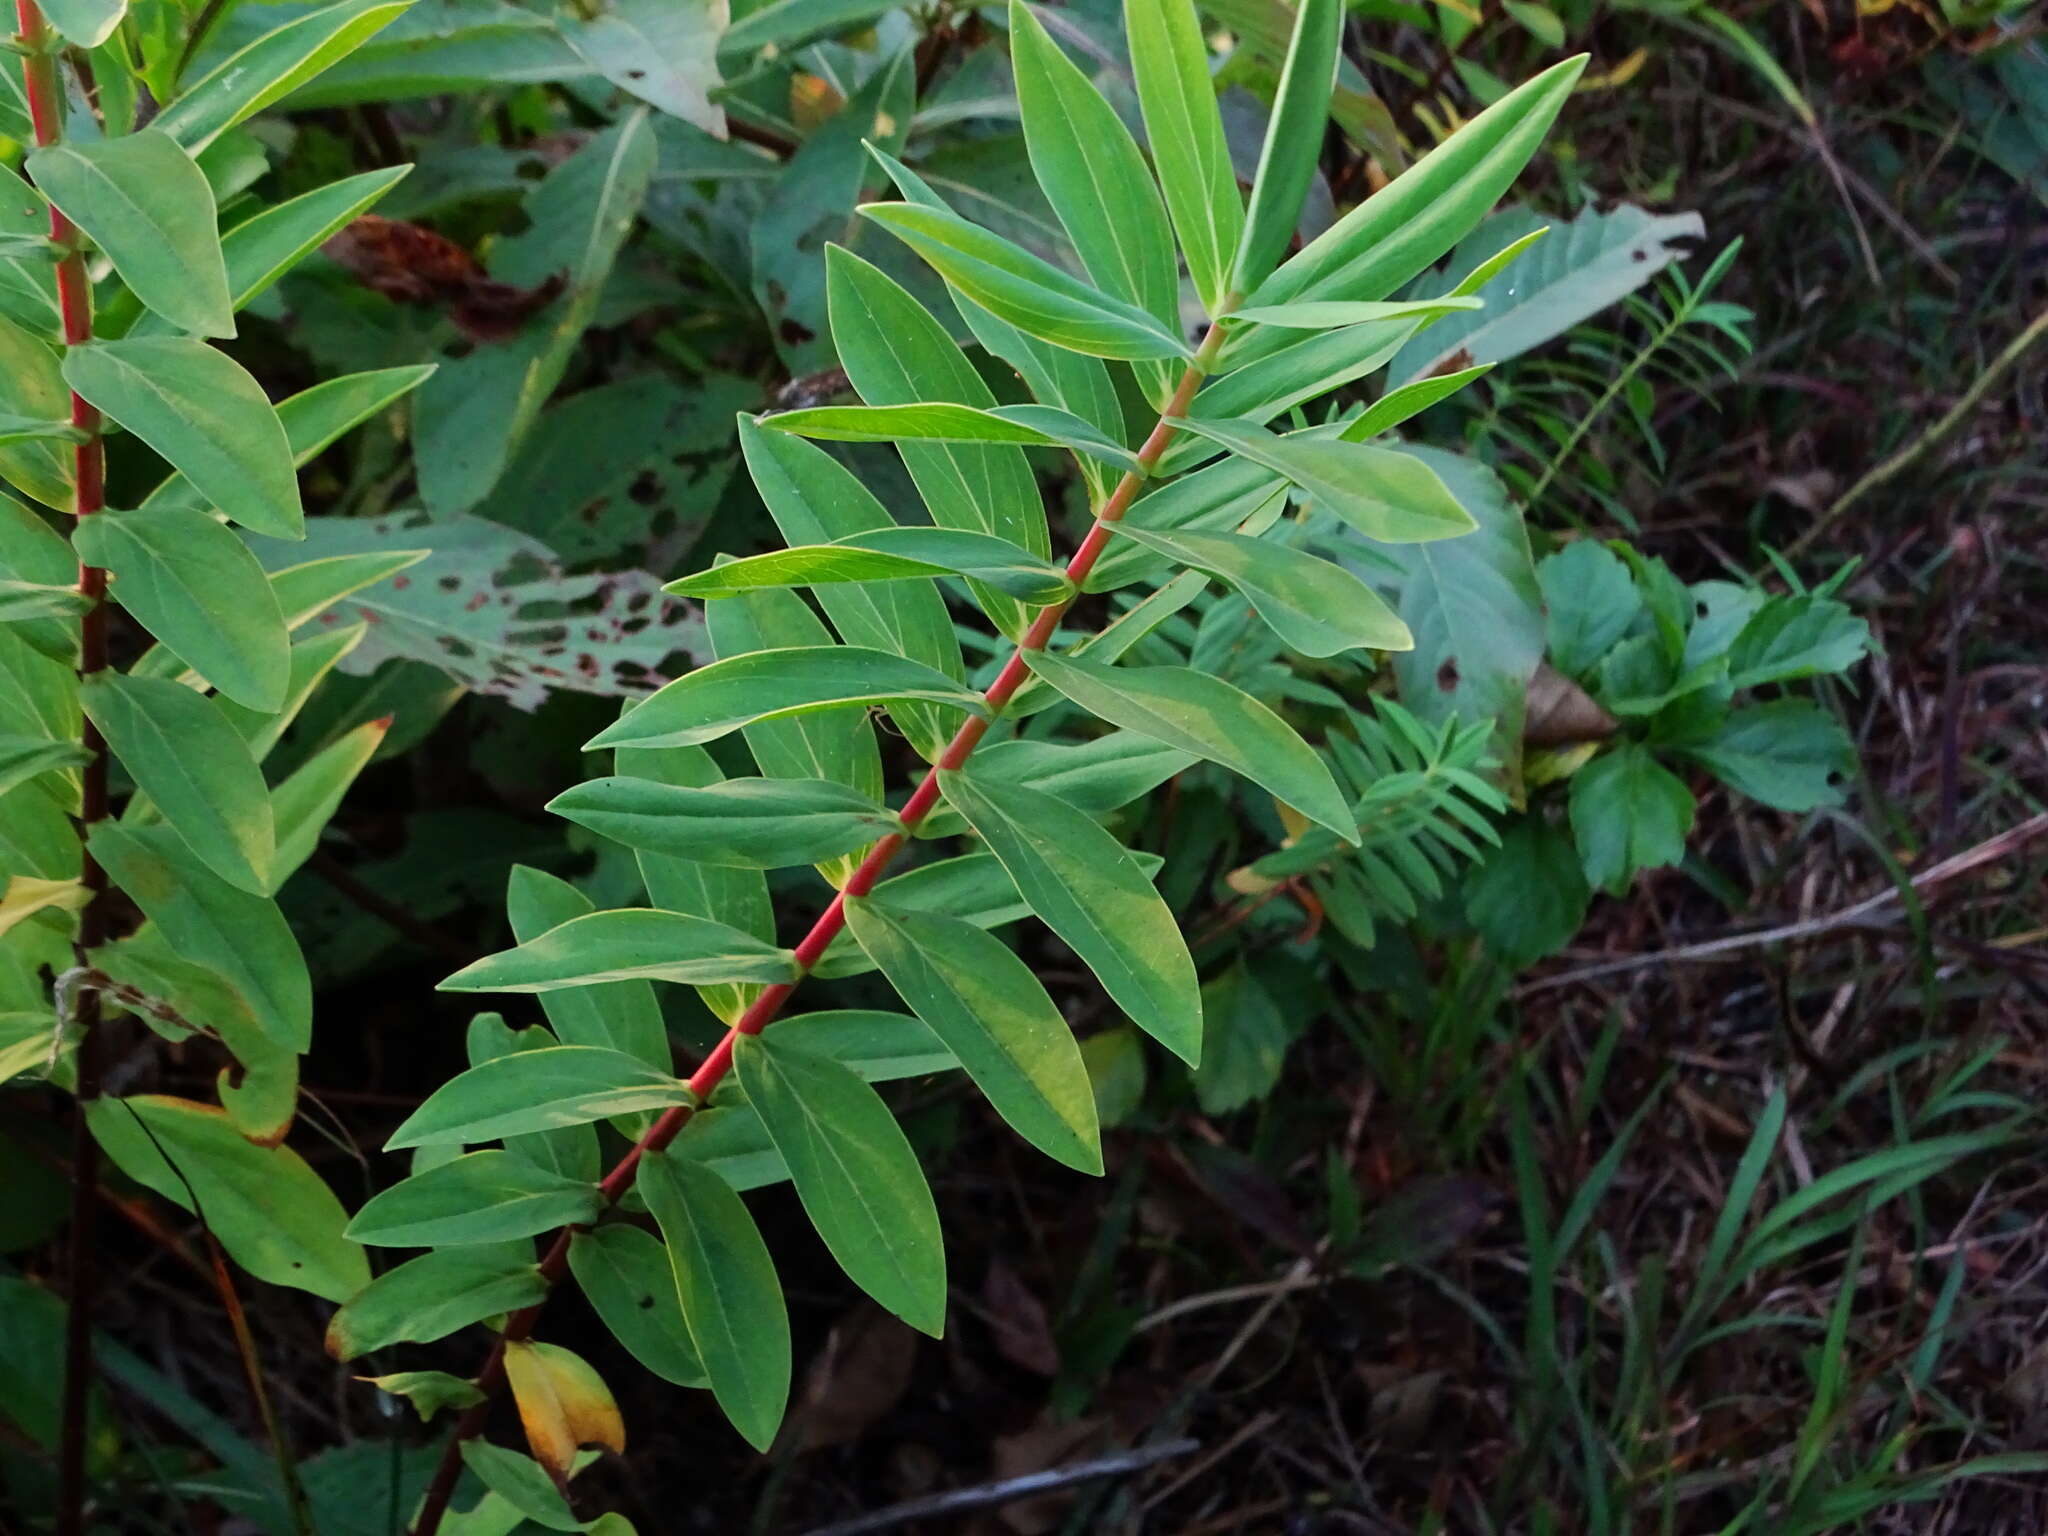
(411, 264)
(563, 1403)
(1561, 713)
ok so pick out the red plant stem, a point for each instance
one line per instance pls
(768, 1005)
(45, 98)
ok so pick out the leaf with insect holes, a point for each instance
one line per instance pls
(994, 1015)
(716, 700)
(1084, 886)
(1178, 98)
(888, 554)
(1212, 719)
(536, 1090)
(429, 1297)
(1313, 605)
(1386, 495)
(624, 1273)
(739, 823)
(480, 1197)
(731, 1297)
(663, 51)
(624, 944)
(1026, 290)
(855, 1173)
(563, 1404)
(193, 766)
(1789, 754)
(191, 583)
(206, 415)
(270, 1211)
(1294, 140)
(150, 210)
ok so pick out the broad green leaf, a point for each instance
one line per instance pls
(740, 823)
(1629, 813)
(306, 591)
(519, 1491)
(270, 1211)
(1026, 290)
(312, 419)
(22, 429)
(663, 51)
(1796, 636)
(1397, 405)
(626, 1276)
(621, 945)
(1401, 229)
(211, 923)
(429, 1297)
(1084, 886)
(888, 554)
(816, 500)
(480, 1197)
(537, 1090)
(1529, 898)
(1386, 495)
(32, 386)
(1331, 315)
(1171, 63)
(1294, 141)
(21, 601)
(24, 757)
(1789, 754)
(1249, 1034)
(313, 658)
(568, 1150)
(1091, 172)
(1212, 719)
(855, 1173)
(878, 1047)
(87, 23)
(191, 583)
(716, 700)
(896, 353)
(624, 1015)
(306, 801)
(732, 1299)
(149, 209)
(1220, 498)
(993, 1014)
(203, 413)
(278, 62)
(1318, 608)
(1589, 603)
(733, 1143)
(197, 771)
(1034, 426)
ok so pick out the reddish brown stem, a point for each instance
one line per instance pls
(767, 1007)
(45, 98)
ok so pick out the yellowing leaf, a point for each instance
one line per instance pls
(563, 1403)
(26, 896)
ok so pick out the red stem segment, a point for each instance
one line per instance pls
(44, 93)
(768, 1005)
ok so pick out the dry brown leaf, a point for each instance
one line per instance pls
(1023, 1334)
(858, 1378)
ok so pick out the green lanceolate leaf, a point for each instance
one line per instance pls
(306, 801)
(622, 945)
(716, 700)
(270, 1211)
(731, 1297)
(1210, 718)
(1397, 405)
(1422, 213)
(185, 756)
(195, 586)
(87, 23)
(816, 500)
(1294, 140)
(306, 591)
(212, 923)
(855, 1173)
(1315, 606)
(1092, 174)
(1333, 315)
(276, 63)
(888, 554)
(568, 1150)
(625, 1015)
(1178, 98)
(1085, 887)
(876, 1047)
(21, 601)
(740, 823)
(626, 1276)
(1384, 494)
(1026, 290)
(1096, 776)
(32, 386)
(537, 1090)
(1029, 426)
(480, 1197)
(429, 1297)
(993, 1014)
(24, 757)
(206, 415)
(149, 208)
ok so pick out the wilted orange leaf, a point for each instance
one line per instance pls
(563, 1403)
